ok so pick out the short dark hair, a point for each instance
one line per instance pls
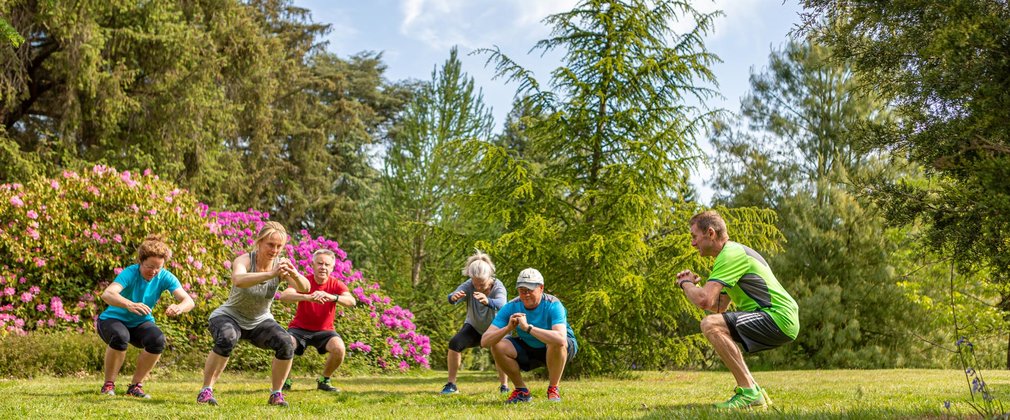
(710, 219)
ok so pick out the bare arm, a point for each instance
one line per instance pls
(294, 278)
(706, 297)
(241, 277)
(112, 297)
(556, 335)
(184, 303)
(345, 299)
(291, 295)
(494, 334)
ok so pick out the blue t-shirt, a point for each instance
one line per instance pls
(136, 289)
(548, 313)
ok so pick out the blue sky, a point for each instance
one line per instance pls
(415, 37)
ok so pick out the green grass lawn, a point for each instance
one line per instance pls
(796, 394)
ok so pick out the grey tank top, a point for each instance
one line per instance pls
(250, 306)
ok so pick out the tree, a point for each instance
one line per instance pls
(424, 172)
(599, 211)
(942, 65)
(232, 100)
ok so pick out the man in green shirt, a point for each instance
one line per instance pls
(766, 316)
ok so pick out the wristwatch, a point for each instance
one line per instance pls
(529, 330)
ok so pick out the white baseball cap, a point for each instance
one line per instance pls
(530, 278)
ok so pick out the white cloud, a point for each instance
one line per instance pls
(470, 24)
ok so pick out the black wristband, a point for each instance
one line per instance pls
(529, 330)
(680, 283)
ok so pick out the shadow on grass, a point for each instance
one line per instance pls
(706, 411)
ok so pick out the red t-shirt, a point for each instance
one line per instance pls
(314, 316)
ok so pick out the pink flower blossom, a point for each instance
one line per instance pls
(16, 201)
(34, 234)
(9, 291)
(39, 262)
(27, 297)
(32, 214)
(117, 238)
(41, 307)
(118, 270)
(54, 184)
(152, 212)
(34, 290)
(85, 204)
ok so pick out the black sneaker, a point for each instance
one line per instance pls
(449, 388)
(136, 390)
(503, 389)
(323, 384)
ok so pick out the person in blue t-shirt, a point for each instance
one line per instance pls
(128, 319)
(543, 336)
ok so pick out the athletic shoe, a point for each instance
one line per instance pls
(277, 399)
(206, 396)
(109, 388)
(519, 396)
(743, 398)
(553, 394)
(287, 385)
(503, 389)
(449, 388)
(323, 384)
(764, 394)
(136, 390)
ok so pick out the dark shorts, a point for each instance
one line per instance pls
(530, 358)
(306, 338)
(117, 335)
(466, 338)
(267, 335)
(756, 331)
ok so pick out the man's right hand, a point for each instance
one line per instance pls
(689, 276)
(138, 308)
(458, 295)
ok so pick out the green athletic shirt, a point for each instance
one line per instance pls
(750, 284)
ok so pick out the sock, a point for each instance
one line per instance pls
(207, 387)
(275, 391)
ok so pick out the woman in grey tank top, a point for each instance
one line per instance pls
(246, 314)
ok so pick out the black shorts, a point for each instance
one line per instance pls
(117, 335)
(530, 358)
(466, 338)
(317, 339)
(756, 331)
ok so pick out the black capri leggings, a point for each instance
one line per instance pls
(118, 336)
(267, 335)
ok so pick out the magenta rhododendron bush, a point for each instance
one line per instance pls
(63, 240)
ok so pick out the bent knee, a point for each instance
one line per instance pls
(155, 344)
(335, 345)
(713, 324)
(284, 349)
(224, 344)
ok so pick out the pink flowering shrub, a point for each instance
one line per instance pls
(63, 240)
(378, 334)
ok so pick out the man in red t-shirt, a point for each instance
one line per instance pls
(313, 322)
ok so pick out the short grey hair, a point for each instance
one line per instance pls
(324, 251)
(479, 266)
